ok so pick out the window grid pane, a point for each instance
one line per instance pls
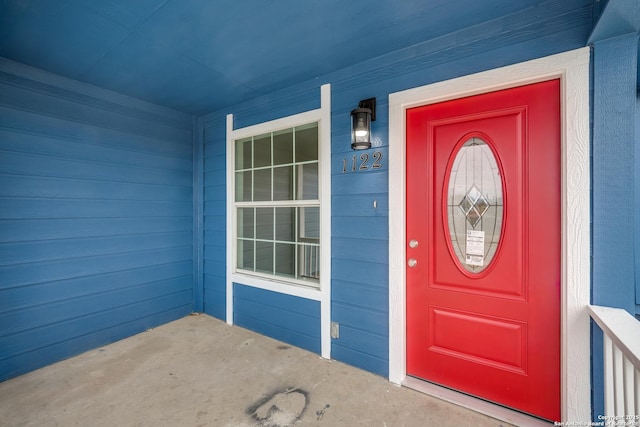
(280, 240)
(287, 243)
(262, 151)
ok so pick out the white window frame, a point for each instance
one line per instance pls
(296, 202)
(572, 68)
(322, 292)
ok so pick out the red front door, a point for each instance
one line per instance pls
(483, 246)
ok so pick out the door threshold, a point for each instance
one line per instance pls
(478, 405)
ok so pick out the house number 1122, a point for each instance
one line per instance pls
(362, 164)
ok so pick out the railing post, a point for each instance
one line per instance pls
(618, 382)
(621, 346)
(609, 393)
(628, 370)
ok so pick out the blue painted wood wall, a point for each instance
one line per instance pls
(283, 317)
(616, 230)
(636, 156)
(96, 217)
(214, 182)
(360, 232)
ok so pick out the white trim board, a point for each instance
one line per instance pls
(572, 68)
(321, 115)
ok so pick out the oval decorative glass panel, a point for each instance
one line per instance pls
(474, 205)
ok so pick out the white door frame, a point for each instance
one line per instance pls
(572, 68)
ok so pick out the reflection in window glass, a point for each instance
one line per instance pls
(283, 147)
(264, 257)
(306, 143)
(285, 259)
(283, 183)
(246, 222)
(310, 223)
(243, 186)
(307, 188)
(245, 254)
(243, 153)
(264, 223)
(262, 151)
(262, 184)
(285, 224)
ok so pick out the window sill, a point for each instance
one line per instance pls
(296, 289)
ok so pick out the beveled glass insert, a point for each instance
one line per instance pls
(474, 205)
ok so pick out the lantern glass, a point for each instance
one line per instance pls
(361, 129)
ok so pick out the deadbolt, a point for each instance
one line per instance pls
(413, 244)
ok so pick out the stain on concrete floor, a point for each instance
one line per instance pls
(280, 408)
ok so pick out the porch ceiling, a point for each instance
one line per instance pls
(199, 56)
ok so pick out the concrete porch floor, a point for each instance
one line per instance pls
(199, 371)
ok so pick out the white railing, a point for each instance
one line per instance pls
(621, 365)
(310, 258)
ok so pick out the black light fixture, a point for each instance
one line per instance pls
(361, 119)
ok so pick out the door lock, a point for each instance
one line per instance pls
(413, 244)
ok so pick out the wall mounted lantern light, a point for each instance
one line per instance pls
(361, 119)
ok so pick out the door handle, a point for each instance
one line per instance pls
(412, 262)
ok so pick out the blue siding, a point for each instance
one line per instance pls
(215, 217)
(614, 186)
(360, 348)
(96, 217)
(613, 168)
(359, 277)
(284, 317)
(198, 216)
(637, 194)
(360, 252)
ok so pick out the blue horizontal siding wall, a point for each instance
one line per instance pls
(284, 317)
(359, 278)
(96, 217)
(615, 186)
(214, 212)
(637, 197)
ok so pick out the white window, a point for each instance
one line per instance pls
(277, 205)
(279, 209)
